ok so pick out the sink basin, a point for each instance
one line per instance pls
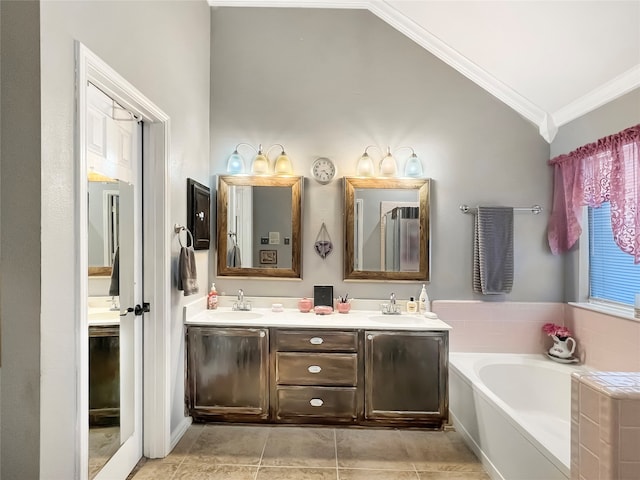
(235, 315)
(400, 319)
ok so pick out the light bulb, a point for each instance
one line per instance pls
(388, 165)
(235, 164)
(260, 164)
(413, 167)
(364, 167)
(283, 165)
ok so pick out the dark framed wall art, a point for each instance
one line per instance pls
(199, 214)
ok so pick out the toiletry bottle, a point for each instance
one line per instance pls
(412, 306)
(212, 298)
(424, 300)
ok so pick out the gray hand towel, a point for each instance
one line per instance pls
(187, 276)
(233, 257)
(493, 250)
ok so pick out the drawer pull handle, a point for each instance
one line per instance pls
(316, 341)
(316, 402)
(314, 369)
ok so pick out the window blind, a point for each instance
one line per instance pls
(613, 276)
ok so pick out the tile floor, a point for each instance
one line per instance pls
(239, 452)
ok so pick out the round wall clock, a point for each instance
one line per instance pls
(323, 170)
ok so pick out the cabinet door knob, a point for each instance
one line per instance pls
(316, 402)
(369, 337)
(316, 341)
(314, 369)
(262, 334)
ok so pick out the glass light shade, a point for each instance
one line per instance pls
(364, 167)
(388, 166)
(413, 167)
(235, 164)
(283, 165)
(260, 164)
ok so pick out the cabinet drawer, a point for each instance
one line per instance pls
(330, 402)
(316, 368)
(316, 341)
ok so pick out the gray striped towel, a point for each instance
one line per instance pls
(187, 275)
(493, 250)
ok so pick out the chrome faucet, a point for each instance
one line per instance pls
(391, 308)
(240, 304)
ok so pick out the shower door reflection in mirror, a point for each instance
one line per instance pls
(113, 153)
(387, 232)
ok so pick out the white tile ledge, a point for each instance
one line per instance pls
(620, 312)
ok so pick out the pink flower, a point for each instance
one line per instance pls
(557, 330)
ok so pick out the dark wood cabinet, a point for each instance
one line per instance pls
(406, 377)
(228, 373)
(321, 376)
(104, 375)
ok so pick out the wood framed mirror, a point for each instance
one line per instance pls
(386, 229)
(259, 226)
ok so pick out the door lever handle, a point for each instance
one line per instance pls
(137, 310)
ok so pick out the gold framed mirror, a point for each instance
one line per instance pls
(259, 222)
(386, 229)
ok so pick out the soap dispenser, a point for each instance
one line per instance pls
(424, 300)
(212, 298)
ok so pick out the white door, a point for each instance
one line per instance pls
(114, 156)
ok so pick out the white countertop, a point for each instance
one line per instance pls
(100, 312)
(196, 314)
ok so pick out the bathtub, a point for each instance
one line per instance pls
(514, 412)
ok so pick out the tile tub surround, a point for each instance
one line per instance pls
(498, 327)
(239, 452)
(605, 426)
(605, 342)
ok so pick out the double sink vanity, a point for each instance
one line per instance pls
(360, 368)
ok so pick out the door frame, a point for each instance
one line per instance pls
(156, 402)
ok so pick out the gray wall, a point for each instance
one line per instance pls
(20, 239)
(607, 120)
(161, 47)
(329, 83)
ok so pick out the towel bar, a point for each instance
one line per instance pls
(535, 209)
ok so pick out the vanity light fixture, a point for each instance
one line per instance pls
(388, 166)
(260, 164)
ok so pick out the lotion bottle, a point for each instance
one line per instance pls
(212, 298)
(412, 306)
(424, 300)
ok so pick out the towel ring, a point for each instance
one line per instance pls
(179, 228)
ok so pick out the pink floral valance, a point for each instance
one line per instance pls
(607, 170)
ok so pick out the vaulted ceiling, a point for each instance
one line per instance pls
(550, 60)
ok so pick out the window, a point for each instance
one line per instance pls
(613, 276)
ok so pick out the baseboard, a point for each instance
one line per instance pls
(179, 431)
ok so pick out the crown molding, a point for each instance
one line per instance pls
(622, 84)
(344, 4)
